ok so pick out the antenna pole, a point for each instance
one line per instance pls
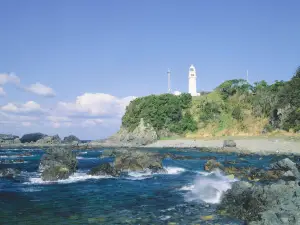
(247, 77)
(169, 81)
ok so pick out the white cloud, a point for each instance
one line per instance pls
(56, 124)
(58, 118)
(91, 122)
(2, 92)
(9, 78)
(41, 89)
(10, 107)
(96, 104)
(17, 120)
(29, 106)
(26, 124)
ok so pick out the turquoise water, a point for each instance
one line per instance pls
(181, 196)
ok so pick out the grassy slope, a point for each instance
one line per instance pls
(226, 126)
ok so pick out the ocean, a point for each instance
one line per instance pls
(185, 194)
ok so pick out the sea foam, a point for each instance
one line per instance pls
(76, 177)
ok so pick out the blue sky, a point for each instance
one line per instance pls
(76, 61)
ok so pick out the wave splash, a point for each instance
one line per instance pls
(208, 188)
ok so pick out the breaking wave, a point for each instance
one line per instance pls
(208, 187)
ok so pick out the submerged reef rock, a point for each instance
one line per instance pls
(57, 164)
(212, 165)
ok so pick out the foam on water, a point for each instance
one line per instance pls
(174, 170)
(139, 175)
(80, 157)
(208, 188)
(76, 177)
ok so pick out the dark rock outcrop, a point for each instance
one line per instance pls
(9, 172)
(273, 204)
(33, 137)
(267, 203)
(126, 161)
(71, 139)
(138, 161)
(57, 163)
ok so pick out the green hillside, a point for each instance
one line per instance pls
(234, 108)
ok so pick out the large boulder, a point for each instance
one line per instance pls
(32, 137)
(71, 139)
(229, 144)
(104, 169)
(9, 172)
(49, 140)
(133, 160)
(138, 161)
(272, 204)
(57, 164)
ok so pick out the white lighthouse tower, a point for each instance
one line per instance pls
(192, 81)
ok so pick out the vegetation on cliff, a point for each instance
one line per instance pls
(235, 107)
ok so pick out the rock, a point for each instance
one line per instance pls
(8, 139)
(229, 144)
(49, 140)
(33, 137)
(141, 135)
(104, 169)
(263, 204)
(286, 165)
(9, 172)
(57, 163)
(71, 139)
(17, 141)
(212, 165)
(138, 161)
(134, 160)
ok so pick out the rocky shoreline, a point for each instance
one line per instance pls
(125, 139)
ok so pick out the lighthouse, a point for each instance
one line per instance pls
(192, 81)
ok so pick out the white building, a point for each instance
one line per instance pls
(193, 81)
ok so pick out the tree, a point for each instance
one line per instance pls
(231, 87)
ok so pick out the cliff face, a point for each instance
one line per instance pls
(143, 134)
